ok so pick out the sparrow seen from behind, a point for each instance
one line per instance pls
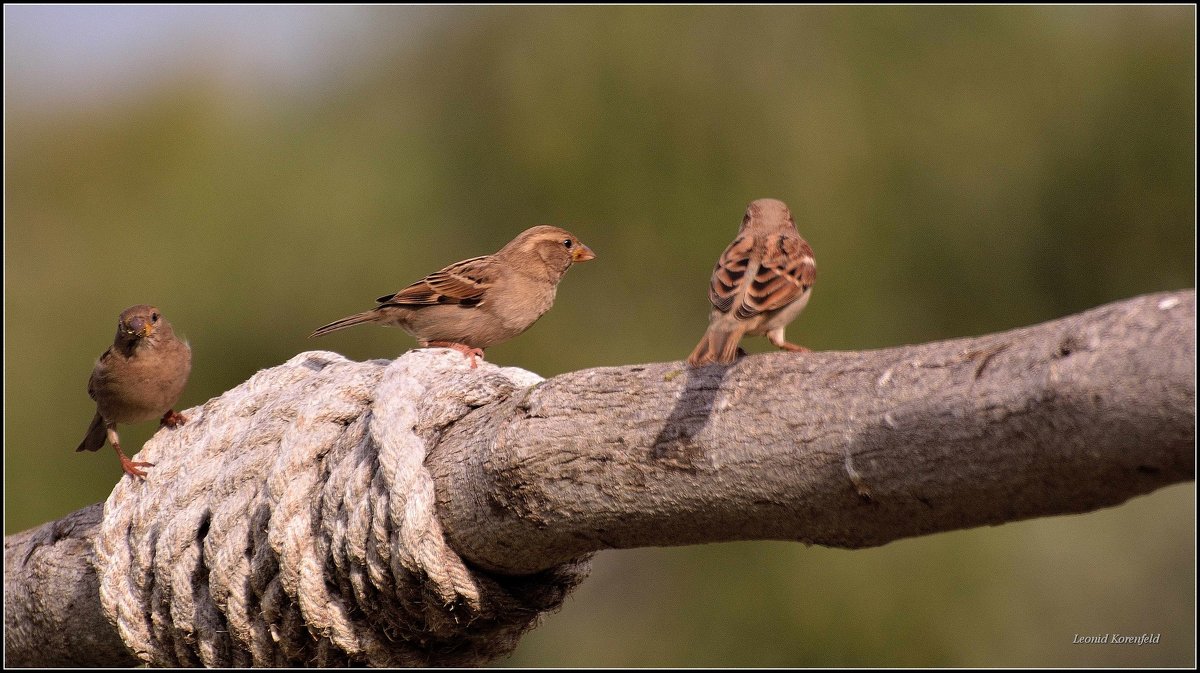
(761, 282)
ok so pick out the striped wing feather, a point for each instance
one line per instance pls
(461, 283)
(760, 274)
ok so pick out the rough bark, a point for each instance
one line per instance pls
(839, 449)
(52, 614)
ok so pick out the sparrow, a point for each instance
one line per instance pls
(760, 284)
(139, 377)
(482, 301)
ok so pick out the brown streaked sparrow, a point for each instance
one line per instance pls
(482, 301)
(760, 284)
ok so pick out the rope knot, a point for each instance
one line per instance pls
(292, 521)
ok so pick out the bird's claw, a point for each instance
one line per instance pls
(131, 467)
(466, 350)
(173, 419)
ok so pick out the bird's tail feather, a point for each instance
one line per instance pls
(356, 319)
(94, 439)
(718, 346)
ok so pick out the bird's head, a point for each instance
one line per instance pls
(556, 248)
(766, 215)
(141, 322)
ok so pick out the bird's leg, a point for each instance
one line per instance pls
(466, 350)
(775, 336)
(130, 466)
(172, 419)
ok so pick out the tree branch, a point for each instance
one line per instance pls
(52, 614)
(840, 449)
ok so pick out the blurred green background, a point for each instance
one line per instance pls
(958, 170)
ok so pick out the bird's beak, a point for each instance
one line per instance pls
(141, 327)
(582, 254)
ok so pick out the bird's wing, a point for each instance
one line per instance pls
(99, 370)
(759, 274)
(463, 283)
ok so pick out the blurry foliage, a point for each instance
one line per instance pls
(958, 170)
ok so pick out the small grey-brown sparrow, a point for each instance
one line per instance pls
(760, 284)
(482, 301)
(139, 377)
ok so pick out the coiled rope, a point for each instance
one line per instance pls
(292, 521)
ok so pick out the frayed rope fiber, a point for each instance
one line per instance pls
(292, 521)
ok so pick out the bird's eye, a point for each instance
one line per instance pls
(153, 317)
(567, 242)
